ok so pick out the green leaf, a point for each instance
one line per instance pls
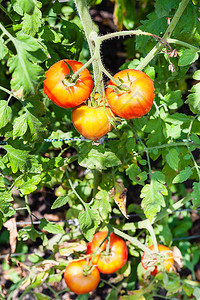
(50, 227)
(5, 113)
(153, 199)
(101, 204)
(20, 126)
(172, 158)
(183, 175)
(26, 6)
(88, 221)
(60, 201)
(196, 195)
(15, 158)
(40, 296)
(26, 72)
(29, 232)
(32, 22)
(188, 57)
(3, 49)
(28, 183)
(96, 157)
(5, 199)
(193, 98)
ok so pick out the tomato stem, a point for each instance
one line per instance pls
(183, 4)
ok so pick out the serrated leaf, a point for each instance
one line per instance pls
(26, 6)
(28, 183)
(153, 199)
(172, 158)
(3, 49)
(29, 232)
(101, 203)
(60, 201)
(20, 126)
(183, 175)
(15, 158)
(188, 57)
(32, 22)
(26, 72)
(50, 227)
(193, 98)
(5, 199)
(196, 195)
(5, 113)
(88, 221)
(96, 157)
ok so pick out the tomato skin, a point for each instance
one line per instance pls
(58, 92)
(137, 101)
(118, 252)
(77, 282)
(91, 122)
(168, 260)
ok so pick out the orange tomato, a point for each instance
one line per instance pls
(108, 262)
(64, 92)
(92, 122)
(78, 281)
(136, 100)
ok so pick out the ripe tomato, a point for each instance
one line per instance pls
(108, 262)
(163, 261)
(134, 102)
(59, 87)
(92, 122)
(77, 278)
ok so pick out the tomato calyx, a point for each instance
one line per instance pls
(88, 269)
(69, 79)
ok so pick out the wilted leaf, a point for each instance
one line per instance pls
(12, 228)
(119, 195)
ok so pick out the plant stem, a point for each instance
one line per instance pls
(7, 13)
(166, 35)
(28, 209)
(133, 240)
(181, 43)
(90, 32)
(172, 208)
(147, 225)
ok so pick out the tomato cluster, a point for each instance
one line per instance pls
(164, 260)
(129, 96)
(107, 254)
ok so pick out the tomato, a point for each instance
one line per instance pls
(136, 100)
(163, 261)
(59, 87)
(78, 281)
(108, 262)
(92, 122)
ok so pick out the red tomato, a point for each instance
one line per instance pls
(134, 102)
(61, 90)
(92, 122)
(164, 261)
(78, 281)
(108, 262)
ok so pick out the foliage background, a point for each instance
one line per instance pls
(50, 183)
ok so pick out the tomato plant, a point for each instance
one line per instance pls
(134, 97)
(81, 279)
(109, 258)
(64, 90)
(162, 260)
(92, 122)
